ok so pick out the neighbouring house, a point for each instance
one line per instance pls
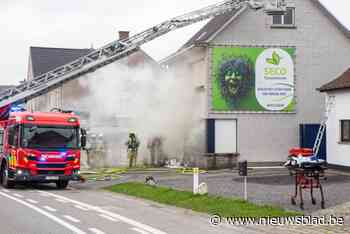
(338, 123)
(257, 76)
(45, 59)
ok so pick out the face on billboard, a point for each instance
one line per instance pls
(236, 76)
(253, 79)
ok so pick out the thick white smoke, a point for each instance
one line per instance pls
(150, 103)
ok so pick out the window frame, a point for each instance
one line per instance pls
(1, 140)
(13, 140)
(342, 139)
(75, 128)
(282, 24)
(10, 135)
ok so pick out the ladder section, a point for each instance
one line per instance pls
(112, 52)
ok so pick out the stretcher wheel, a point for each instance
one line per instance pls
(313, 200)
(293, 201)
(323, 205)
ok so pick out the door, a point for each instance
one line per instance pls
(308, 133)
(225, 136)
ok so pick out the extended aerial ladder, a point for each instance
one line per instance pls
(122, 48)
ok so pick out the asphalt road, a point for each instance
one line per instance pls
(47, 210)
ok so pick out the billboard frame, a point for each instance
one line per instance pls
(264, 46)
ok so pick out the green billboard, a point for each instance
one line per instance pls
(253, 79)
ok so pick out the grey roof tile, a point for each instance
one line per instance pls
(210, 28)
(45, 59)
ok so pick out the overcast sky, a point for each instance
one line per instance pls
(82, 23)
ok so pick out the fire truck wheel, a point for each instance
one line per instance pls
(5, 178)
(62, 184)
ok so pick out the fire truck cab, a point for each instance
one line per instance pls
(40, 147)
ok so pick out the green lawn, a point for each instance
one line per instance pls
(202, 203)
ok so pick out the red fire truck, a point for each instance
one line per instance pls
(40, 147)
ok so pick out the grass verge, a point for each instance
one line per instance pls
(227, 207)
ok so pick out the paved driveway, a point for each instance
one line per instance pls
(269, 187)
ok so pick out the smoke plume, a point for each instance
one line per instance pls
(148, 101)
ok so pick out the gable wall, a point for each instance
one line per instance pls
(322, 52)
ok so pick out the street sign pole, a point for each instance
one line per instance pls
(195, 180)
(243, 171)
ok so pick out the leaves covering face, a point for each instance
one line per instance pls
(275, 60)
(241, 67)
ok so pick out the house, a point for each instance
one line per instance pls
(257, 76)
(67, 95)
(338, 124)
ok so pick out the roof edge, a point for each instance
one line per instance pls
(233, 18)
(325, 90)
(59, 48)
(332, 17)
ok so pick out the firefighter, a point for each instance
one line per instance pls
(132, 146)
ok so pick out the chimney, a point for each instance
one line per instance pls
(123, 35)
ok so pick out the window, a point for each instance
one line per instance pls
(1, 140)
(285, 20)
(345, 130)
(49, 137)
(13, 136)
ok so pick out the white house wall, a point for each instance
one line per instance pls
(338, 153)
(322, 53)
(194, 66)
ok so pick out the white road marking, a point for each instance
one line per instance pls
(111, 214)
(17, 195)
(139, 230)
(43, 212)
(81, 207)
(32, 201)
(108, 217)
(71, 218)
(50, 208)
(5, 190)
(61, 200)
(44, 195)
(96, 231)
